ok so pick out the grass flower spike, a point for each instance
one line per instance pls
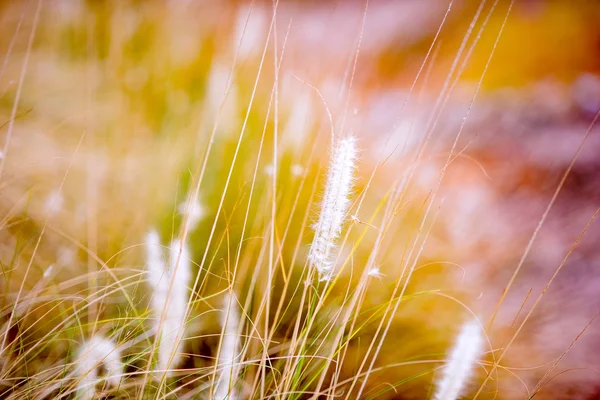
(155, 263)
(172, 301)
(194, 212)
(334, 207)
(94, 353)
(459, 369)
(230, 319)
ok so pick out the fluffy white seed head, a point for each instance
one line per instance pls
(464, 355)
(250, 30)
(297, 170)
(229, 350)
(155, 263)
(194, 213)
(169, 295)
(375, 272)
(334, 207)
(54, 202)
(220, 100)
(95, 353)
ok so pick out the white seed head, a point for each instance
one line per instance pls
(230, 318)
(66, 256)
(375, 272)
(463, 358)
(54, 202)
(170, 296)
(194, 213)
(334, 207)
(155, 263)
(297, 170)
(269, 170)
(250, 30)
(301, 119)
(94, 353)
(220, 100)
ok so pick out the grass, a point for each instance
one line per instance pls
(216, 124)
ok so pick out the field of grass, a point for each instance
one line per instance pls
(299, 200)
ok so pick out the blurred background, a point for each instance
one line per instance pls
(109, 112)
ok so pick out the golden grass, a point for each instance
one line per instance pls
(117, 113)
